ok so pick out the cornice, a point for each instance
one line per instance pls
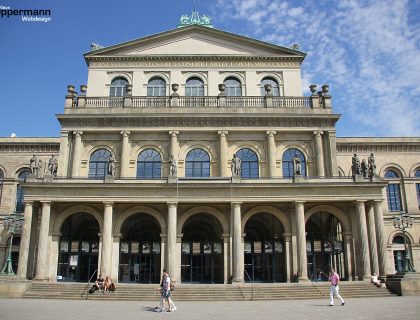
(131, 122)
(40, 147)
(378, 147)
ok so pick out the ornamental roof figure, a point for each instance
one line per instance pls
(195, 18)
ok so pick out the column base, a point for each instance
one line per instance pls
(303, 280)
(172, 179)
(237, 280)
(41, 279)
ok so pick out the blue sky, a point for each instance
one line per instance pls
(367, 51)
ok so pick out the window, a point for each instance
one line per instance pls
(197, 164)
(98, 163)
(118, 88)
(287, 161)
(156, 87)
(417, 173)
(233, 87)
(275, 91)
(1, 183)
(194, 87)
(393, 191)
(20, 192)
(249, 163)
(149, 164)
(418, 193)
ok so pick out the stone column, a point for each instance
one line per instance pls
(238, 261)
(223, 150)
(319, 152)
(125, 153)
(333, 152)
(271, 153)
(107, 240)
(174, 144)
(287, 244)
(364, 242)
(24, 240)
(348, 238)
(63, 160)
(380, 237)
(77, 152)
(171, 247)
(301, 241)
(42, 258)
(372, 241)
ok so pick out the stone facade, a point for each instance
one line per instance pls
(201, 223)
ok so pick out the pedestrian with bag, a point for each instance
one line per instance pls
(334, 278)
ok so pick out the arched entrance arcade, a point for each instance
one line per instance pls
(202, 250)
(140, 249)
(78, 248)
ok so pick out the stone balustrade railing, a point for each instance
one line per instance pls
(197, 102)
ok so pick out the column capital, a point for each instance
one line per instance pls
(222, 133)
(299, 202)
(172, 204)
(318, 132)
(78, 132)
(28, 202)
(236, 204)
(64, 133)
(125, 133)
(271, 133)
(360, 202)
(45, 202)
(377, 202)
(108, 203)
(173, 133)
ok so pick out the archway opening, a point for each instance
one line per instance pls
(78, 248)
(324, 246)
(399, 252)
(264, 249)
(202, 250)
(140, 249)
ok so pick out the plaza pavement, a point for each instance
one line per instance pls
(402, 308)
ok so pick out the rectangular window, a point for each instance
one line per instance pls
(394, 197)
(418, 193)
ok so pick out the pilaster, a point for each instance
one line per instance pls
(271, 153)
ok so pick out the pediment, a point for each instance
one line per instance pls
(193, 41)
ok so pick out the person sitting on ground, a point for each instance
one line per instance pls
(374, 279)
(99, 283)
(107, 283)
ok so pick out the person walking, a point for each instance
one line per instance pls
(334, 278)
(166, 293)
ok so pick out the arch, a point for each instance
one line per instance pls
(21, 169)
(393, 166)
(302, 147)
(149, 164)
(56, 229)
(197, 163)
(267, 209)
(117, 87)
(95, 146)
(288, 162)
(275, 75)
(233, 86)
(139, 209)
(156, 87)
(249, 163)
(139, 148)
(340, 215)
(415, 168)
(152, 75)
(98, 163)
(255, 147)
(240, 76)
(203, 209)
(3, 170)
(276, 87)
(126, 75)
(396, 233)
(195, 87)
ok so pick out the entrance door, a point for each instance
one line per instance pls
(140, 262)
(202, 262)
(264, 261)
(78, 248)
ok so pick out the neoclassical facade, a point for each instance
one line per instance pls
(195, 150)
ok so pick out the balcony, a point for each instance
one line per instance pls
(193, 102)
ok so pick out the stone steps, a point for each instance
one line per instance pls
(185, 292)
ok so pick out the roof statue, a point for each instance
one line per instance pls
(94, 46)
(195, 18)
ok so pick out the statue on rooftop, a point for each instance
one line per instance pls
(355, 165)
(52, 166)
(371, 165)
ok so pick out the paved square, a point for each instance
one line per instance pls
(402, 308)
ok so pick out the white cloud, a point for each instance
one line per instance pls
(368, 51)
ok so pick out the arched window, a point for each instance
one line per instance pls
(156, 87)
(98, 163)
(197, 164)
(194, 87)
(233, 87)
(417, 173)
(249, 163)
(20, 192)
(1, 183)
(287, 161)
(275, 91)
(118, 87)
(393, 190)
(149, 164)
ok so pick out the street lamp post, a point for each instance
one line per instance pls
(13, 223)
(402, 222)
